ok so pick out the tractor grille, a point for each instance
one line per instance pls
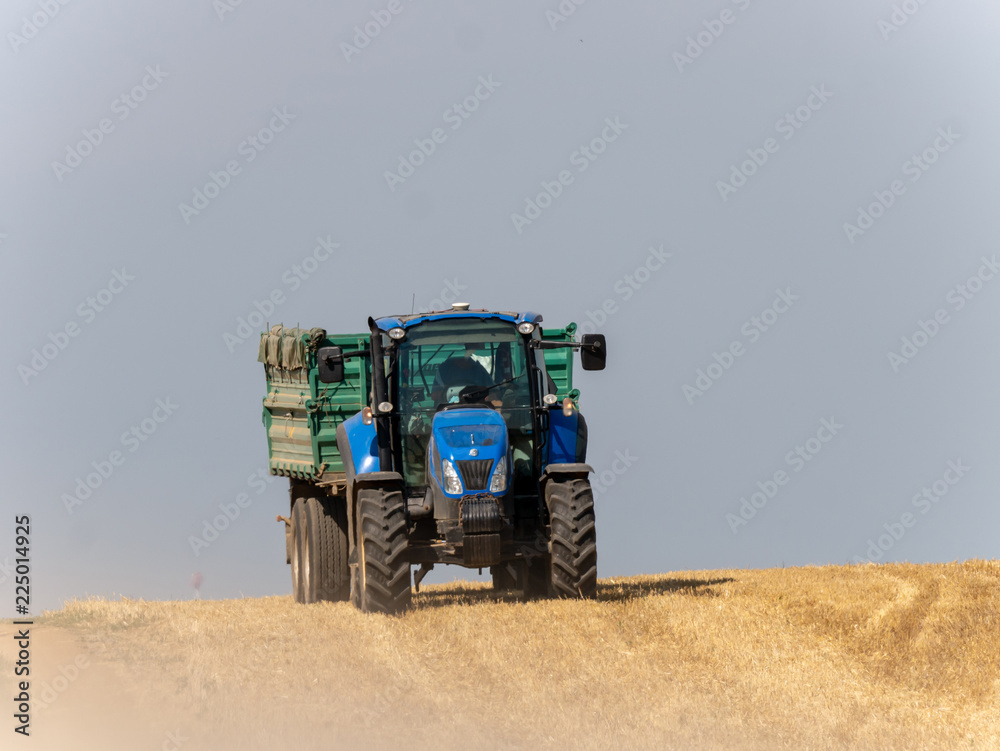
(475, 473)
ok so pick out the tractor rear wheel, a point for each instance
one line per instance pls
(573, 537)
(382, 578)
(319, 550)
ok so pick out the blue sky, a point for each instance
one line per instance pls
(782, 217)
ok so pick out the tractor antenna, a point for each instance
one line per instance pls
(413, 303)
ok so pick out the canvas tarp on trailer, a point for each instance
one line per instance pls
(301, 414)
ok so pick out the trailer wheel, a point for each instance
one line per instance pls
(573, 536)
(382, 581)
(319, 563)
(328, 531)
(301, 563)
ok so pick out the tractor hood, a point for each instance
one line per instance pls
(473, 441)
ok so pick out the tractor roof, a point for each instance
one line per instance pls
(390, 322)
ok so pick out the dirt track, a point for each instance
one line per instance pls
(80, 700)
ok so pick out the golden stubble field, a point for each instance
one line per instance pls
(859, 657)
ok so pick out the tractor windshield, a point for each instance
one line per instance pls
(454, 361)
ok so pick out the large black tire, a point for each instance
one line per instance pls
(328, 529)
(573, 538)
(505, 576)
(300, 554)
(319, 551)
(356, 586)
(382, 579)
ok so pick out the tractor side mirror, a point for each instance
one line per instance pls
(330, 361)
(594, 352)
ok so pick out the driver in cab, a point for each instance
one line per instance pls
(464, 373)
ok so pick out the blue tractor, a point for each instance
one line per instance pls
(444, 437)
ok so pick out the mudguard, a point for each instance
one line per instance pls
(574, 468)
(567, 442)
(358, 447)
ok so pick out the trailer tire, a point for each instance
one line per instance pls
(331, 580)
(573, 537)
(319, 568)
(382, 581)
(300, 554)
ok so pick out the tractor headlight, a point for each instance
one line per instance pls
(499, 482)
(526, 327)
(397, 333)
(451, 482)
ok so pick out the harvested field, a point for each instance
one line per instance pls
(859, 657)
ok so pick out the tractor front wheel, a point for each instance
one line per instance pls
(381, 583)
(573, 537)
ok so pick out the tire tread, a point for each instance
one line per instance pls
(573, 538)
(383, 533)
